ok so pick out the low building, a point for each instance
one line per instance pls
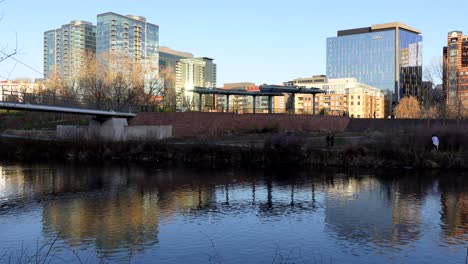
(346, 96)
(17, 90)
(343, 97)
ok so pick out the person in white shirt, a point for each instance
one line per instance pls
(435, 142)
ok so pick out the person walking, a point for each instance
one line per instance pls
(435, 142)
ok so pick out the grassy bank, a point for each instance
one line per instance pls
(405, 149)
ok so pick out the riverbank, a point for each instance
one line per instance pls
(404, 149)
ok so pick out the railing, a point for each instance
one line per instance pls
(77, 101)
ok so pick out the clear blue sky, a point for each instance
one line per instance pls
(260, 41)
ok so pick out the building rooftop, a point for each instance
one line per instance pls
(377, 27)
(132, 17)
(390, 25)
(175, 52)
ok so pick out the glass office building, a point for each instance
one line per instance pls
(129, 36)
(386, 56)
(65, 48)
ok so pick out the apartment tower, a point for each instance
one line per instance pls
(455, 67)
(130, 38)
(65, 49)
(191, 73)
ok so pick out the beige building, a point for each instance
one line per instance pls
(343, 97)
(16, 90)
(308, 82)
(348, 97)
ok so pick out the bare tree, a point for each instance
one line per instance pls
(93, 87)
(169, 99)
(434, 71)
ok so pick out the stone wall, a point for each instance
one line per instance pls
(198, 123)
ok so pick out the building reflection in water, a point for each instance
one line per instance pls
(454, 215)
(121, 209)
(367, 209)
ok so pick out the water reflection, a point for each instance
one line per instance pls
(123, 209)
(454, 215)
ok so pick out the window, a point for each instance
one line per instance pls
(358, 103)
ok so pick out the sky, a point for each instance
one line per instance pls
(259, 41)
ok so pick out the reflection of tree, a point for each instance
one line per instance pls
(115, 220)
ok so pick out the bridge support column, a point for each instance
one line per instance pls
(227, 103)
(293, 103)
(270, 107)
(313, 104)
(254, 103)
(199, 102)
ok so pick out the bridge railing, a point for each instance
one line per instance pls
(78, 101)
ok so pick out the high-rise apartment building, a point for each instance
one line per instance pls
(386, 56)
(168, 58)
(130, 38)
(65, 49)
(455, 63)
(191, 73)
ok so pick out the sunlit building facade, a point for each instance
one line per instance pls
(18, 90)
(455, 67)
(65, 49)
(130, 38)
(191, 73)
(386, 56)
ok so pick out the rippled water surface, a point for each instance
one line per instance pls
(130, 214)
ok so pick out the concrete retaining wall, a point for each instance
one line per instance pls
(115, 129)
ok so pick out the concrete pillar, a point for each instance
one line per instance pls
(227, 103)
(293, 102)
(254, 105)
(199, 102)
(270, 107)
(313, 104)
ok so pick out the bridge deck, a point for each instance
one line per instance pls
(63, 110)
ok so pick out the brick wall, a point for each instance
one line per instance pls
(199, 123)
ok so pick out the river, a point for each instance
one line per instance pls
(133, 214)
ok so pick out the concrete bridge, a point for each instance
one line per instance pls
(99, 114)
(105, 125)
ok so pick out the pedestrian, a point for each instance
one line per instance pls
(332, 140)
(435, 142)
(328, 138)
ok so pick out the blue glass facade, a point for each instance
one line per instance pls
(410, 63)
(389, 59)
(369, 57)
(65, 48)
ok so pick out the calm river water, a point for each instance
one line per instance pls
(131, 214)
